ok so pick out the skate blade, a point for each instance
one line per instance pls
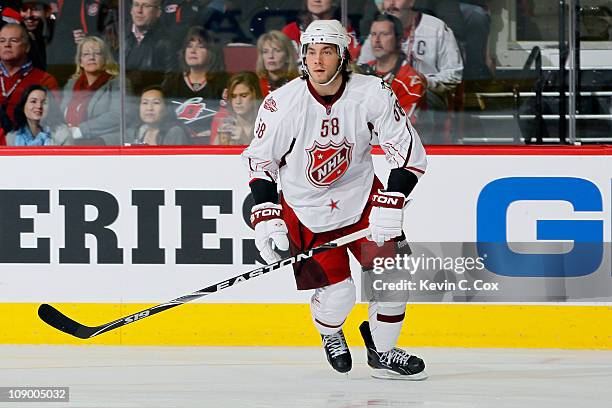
(392, 375)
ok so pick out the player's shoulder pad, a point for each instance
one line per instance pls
(284, 99)
(371, 86)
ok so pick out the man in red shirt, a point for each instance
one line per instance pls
(17, 72)
(393, 67)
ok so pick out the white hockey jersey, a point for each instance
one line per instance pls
(320, 153)
(434, 53)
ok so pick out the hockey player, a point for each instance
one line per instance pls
(313, 137)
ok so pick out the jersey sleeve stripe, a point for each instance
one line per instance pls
(409, 151)
(283, 160)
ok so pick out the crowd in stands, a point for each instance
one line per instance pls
(60, 78)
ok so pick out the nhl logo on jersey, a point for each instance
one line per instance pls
(328, 163)
(270, 104)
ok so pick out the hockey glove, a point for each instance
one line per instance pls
(387, 216)
(270, 231)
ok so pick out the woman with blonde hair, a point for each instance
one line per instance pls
(234, 126)
(276, 61)
(91, 102)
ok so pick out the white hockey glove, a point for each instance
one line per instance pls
(270, 231)
(387, 216)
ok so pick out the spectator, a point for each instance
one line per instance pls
(158, 123)
(196, 92)
(149, 52)
(76, 19)
(91, 102)
(478, 63)
(235, 126)
(179, 15)
(428, 43)
(38, 120)
(431, 49)
(470, 21)
(276, 61)
(36, 18)
(391, 64)
(447, 11)
(10, 13)
(318, 10)
(16, 71)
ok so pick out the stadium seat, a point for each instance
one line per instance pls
(240, 57)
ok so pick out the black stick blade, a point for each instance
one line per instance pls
(61, 322)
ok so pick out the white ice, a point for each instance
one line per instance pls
(177, 377)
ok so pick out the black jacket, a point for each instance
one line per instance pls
(146, 63)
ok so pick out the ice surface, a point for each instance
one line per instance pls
(176, 377)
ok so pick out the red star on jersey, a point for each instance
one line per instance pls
(333, 205)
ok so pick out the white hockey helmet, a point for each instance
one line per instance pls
(325, 32)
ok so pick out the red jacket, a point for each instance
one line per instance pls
(407, 86)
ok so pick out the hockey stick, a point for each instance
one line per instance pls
(60, 321)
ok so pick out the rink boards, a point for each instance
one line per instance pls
(170, 221)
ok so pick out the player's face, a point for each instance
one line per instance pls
(196, 53)
(32, 14)
(35, 108)
(320, 7)
(13, 48)
(152, 107)
(322, 61)
(382, 38)
(92, 59)
(398, 8)
(274, 57)
(145, 12)
(242, 99)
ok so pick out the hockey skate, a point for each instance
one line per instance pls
(394, 364)
(337, 351)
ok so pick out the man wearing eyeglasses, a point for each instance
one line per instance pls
(17, 72)
(149, 53)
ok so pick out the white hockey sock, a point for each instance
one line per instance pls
(386, 321)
